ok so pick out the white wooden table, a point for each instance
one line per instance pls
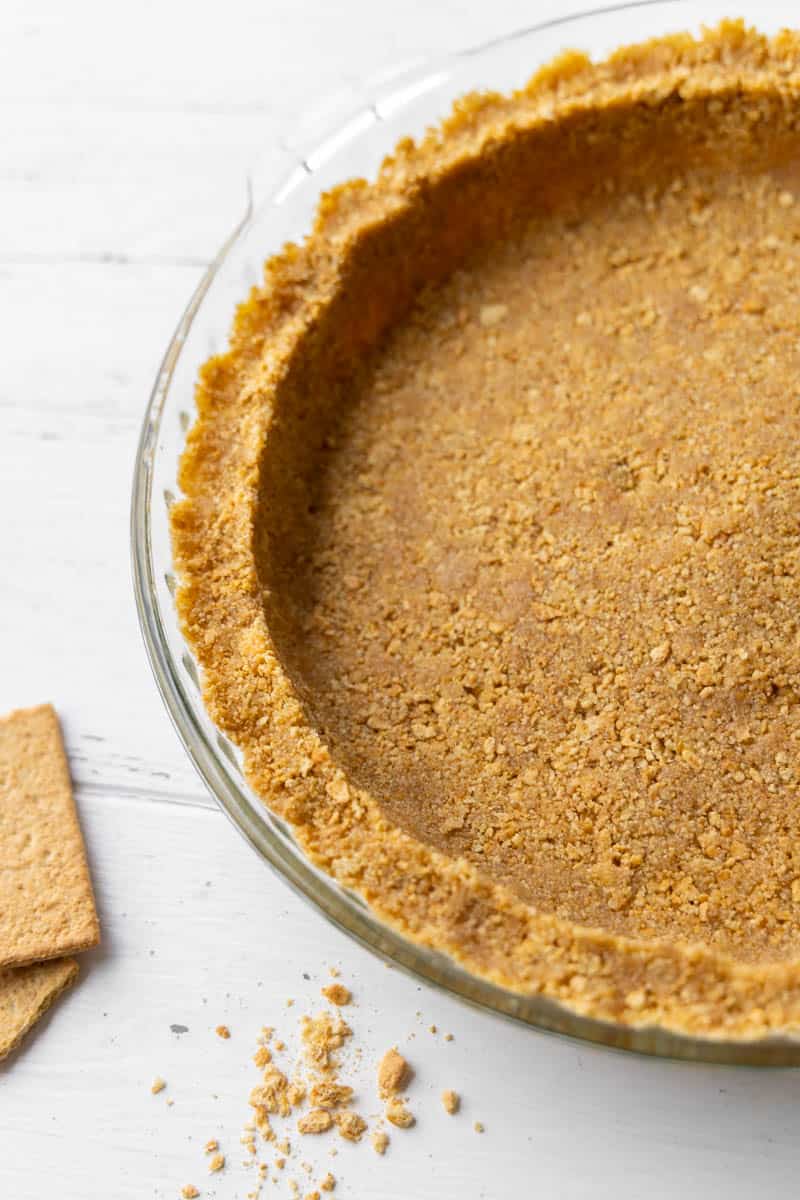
(126, 135)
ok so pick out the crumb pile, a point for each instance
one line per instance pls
(310, 1098)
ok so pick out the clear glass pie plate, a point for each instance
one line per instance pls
(346, 137)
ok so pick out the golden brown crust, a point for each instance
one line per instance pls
(316, 314)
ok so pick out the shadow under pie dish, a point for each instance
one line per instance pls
(488, 541)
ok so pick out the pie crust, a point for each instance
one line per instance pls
(488, 545)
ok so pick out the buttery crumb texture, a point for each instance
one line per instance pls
(393, 1073)
(488, 546)
(337, 993)
(398, 1115)
(380, 1141)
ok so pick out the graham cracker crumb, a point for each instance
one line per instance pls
(393, 1073)
(479, 1127)
(318, 1120)
(321, 1038)
(262, 1056)
(26, 993)
(334, 972)
(223, 1031)
(448, 1037)
(158, 1085)
(217, 1163)
(272, 1094)
(328, 1183)
(211, 1146)
(399, 1115)
(351, 1126)
(380, 1141)
(328, 1094)
(451, 1101)
(189, 1191)
(337, 993)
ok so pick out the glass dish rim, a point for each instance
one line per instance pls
(344, 909)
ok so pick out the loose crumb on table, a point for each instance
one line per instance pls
(380, 1141)
(393, 1073)
(337, 993)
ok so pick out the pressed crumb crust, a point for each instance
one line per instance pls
(489, 541)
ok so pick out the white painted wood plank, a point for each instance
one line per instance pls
(73, 388)
(149, 186)
(251, 54)
(198, 932)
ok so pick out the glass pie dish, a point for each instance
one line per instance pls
(350, 137)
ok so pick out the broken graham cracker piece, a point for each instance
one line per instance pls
(25, 995)
(46, 901)
(451, 1101)
(321, 1038)
(393, 1073)
(272, 1094)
